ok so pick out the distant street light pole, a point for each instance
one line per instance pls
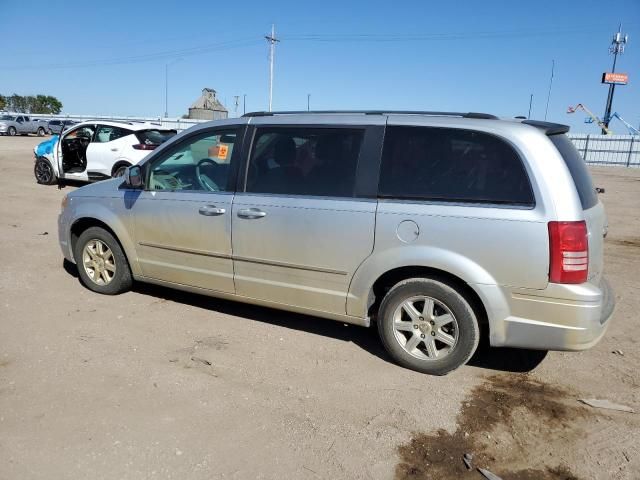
(244, 103)
(166, 86)
(308, 100)
(530, 102)
(553, 64)
(166, 90)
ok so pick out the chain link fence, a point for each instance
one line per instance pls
(618, 150)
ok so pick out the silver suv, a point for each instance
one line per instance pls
(439, 227)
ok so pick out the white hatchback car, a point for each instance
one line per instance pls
(92, 150)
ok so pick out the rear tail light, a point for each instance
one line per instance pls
(144, 146)
(568, 252)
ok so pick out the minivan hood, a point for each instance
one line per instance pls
(104, 188)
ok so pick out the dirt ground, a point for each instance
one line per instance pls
(162, 384)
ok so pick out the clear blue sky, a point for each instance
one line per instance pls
(465, 55)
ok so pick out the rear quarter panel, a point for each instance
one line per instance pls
(492, 248)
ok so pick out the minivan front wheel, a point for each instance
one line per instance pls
(426, 325)
(102, 265)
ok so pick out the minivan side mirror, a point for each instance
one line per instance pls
(133, 177)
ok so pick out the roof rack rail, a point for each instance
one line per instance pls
(485, 116)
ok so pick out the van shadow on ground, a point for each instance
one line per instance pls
(498, 359)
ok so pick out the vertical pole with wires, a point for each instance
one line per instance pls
(272, 49)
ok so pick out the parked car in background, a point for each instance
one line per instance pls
(439, 228)
(91, 151)
(20, 125)
(58, 126)
(42, 123)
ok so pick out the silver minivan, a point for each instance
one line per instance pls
(441, 228)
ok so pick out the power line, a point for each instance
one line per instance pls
(403, 37)
(165, 55)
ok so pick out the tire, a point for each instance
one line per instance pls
(119, 277)
(43, 171)
(119, 170)
(41, 132)
(454, 342)
(12, 131)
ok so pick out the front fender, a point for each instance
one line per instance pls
(410, 256)
(111, 212)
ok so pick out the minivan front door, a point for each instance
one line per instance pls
(182, 220)
(299, 229)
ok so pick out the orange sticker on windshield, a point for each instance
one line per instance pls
(223, 151)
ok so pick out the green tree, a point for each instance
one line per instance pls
(31, 104)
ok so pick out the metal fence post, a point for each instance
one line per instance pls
(630, 151)
(586, 148)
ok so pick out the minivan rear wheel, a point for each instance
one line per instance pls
(428, 326)
(102, 265)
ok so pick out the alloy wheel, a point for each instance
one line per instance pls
(44, 172)
(98, 262)
(425, 328)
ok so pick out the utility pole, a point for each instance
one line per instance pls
(553, 64)
(617, 47)
(308, 100)
(530, 102)
(272, 50)
(244, 103)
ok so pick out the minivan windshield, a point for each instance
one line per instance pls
(578, 169)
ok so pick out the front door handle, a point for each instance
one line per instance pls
(251, 213)
(114, 149)
(211, 211)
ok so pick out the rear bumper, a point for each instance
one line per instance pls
(561, 317)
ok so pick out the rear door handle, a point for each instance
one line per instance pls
(211, 211)
(114, 149)
(251, 213)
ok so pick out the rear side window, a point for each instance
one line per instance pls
(107, 133)
(578, 170)
(455, 165)
(304, 161)
(154, 137)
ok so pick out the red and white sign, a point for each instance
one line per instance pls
(618, 78)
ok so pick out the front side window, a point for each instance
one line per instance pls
(85, 133)
(455, 165)
(200, 163)
(108, 133)
(304, 161)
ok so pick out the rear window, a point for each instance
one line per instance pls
(452, 165)
(154, 137)
(578, 169)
